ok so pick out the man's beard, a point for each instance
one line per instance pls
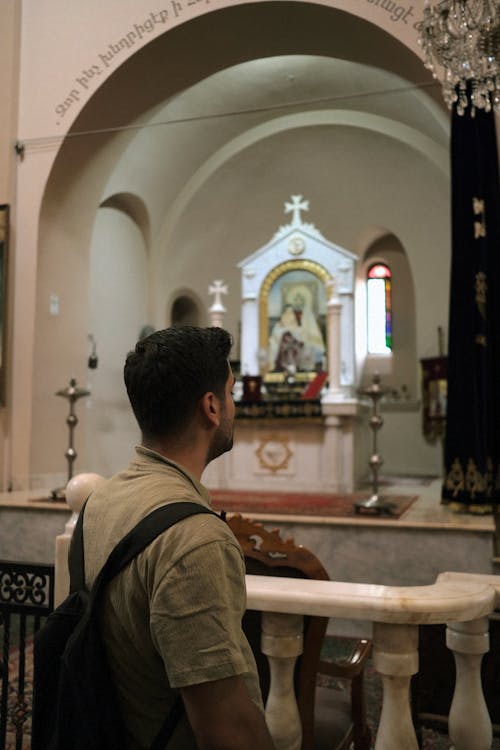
(222, 441)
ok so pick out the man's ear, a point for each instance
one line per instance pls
(210, 408)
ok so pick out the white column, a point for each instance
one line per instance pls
(333, 313)
(469, 721)
(339, 464)
(395, 657)
(249, 354)
(282, 642)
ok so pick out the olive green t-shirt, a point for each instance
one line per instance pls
(172, 618)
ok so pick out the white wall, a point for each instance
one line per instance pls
(118, 310)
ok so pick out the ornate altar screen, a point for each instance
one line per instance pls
(284, 303)
(297, 320)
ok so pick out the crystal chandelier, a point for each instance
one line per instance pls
(461, 45)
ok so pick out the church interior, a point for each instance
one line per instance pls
(167, 166)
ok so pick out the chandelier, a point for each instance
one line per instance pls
(460, 40)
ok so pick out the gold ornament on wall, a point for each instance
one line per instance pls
(274, 453)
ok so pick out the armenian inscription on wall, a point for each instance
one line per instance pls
(119, 49)
(87, 79)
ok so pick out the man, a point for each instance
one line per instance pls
(172, 619)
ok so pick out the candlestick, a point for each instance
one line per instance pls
(375, 504)
(72, 393)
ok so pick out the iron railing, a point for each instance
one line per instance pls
(26, 599)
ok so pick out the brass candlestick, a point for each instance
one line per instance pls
(375, 504)
(72, 393)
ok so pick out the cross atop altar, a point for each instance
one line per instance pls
(296, 206)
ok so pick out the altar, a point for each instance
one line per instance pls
(299, 421)
(308, 454)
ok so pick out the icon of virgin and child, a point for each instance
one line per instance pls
(296, 342)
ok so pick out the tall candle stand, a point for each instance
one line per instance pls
(72, 393)
(375, 504)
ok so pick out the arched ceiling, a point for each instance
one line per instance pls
(265, 60)
(193, 100)
(187, 138)
(250, 32)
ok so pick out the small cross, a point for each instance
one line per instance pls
(218, 288)
(297, 205)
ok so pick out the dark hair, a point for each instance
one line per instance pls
(170, 370)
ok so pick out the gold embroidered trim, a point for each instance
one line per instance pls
(471, 480)
(481, 288)
(479, 210)
(479, 510)
(478, 205)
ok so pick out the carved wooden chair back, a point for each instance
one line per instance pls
(266, 553)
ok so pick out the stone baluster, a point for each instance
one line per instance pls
(77, 491)
(469, 721)
(395, 657)
(282, 642)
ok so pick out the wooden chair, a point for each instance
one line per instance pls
(331, 719)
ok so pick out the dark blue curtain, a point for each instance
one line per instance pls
(472, 441)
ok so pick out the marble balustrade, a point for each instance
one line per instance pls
(461, 601)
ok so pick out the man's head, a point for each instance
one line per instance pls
(170, 372)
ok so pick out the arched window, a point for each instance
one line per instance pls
(379, 309)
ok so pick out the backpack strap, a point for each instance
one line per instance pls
(129, 547)
(169, 725)
(148, 528)
(76, 559)
(142, 535)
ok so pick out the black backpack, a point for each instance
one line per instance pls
(74, 700)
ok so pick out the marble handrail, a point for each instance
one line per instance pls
(462, 601)
(484, 578)
(444, 601)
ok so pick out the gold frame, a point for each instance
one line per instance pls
(4, 258)
(290, 265)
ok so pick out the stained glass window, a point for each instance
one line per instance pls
(379, 309)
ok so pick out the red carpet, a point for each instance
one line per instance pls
(295, 503)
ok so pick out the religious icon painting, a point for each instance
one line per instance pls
(294, 299)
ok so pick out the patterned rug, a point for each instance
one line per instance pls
(295, 503)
